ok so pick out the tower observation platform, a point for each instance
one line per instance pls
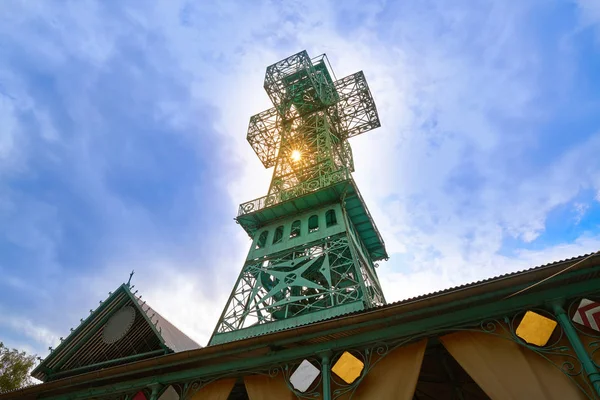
(314, 242)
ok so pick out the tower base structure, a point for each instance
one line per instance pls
(311, 259)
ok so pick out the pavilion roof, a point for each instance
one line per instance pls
(420, 316)
(86, 348)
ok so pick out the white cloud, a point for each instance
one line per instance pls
(589, 12)
(40, 335)
(193, 305)
(580, 210)
(10, 145)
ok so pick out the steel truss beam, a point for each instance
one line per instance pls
(318, 276)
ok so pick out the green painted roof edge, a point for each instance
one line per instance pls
(73, 335)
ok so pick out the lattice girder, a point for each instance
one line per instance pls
(264, 136)
(355, 111)
(308, 266)
(296, 84)
(321, 153)
(299, 281)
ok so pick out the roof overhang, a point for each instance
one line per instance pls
(434, 312)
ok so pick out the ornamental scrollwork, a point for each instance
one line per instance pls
(301, 189)
(369, 356)
(286, 370)
(589, 337)
(558, 351)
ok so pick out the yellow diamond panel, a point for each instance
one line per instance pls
(535, 328)
(348, 367)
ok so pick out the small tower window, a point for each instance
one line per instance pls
(262, 240)
(313, 224)
(295, 232)
(330, 218)
(278, 235)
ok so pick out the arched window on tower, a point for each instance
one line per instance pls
(330, 218)
(313, 224)
(278, 235)
(295, 232)
(262, 240)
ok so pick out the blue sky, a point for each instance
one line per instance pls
(122, 144)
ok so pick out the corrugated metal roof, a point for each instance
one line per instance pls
(345, 326)
(498, 277)
(173, 338)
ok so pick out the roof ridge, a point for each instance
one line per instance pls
(174, 338)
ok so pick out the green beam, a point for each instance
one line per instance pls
(156, 388)
(582, 354)
(300, 320)
(464, 303)
(439, 323)
(326, 371)
(122, 360)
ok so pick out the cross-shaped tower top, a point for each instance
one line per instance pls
(305, 134)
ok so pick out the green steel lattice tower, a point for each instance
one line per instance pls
(314, 242)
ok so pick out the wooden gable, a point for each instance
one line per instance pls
(122, 329)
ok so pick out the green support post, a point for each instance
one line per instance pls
(326, 371)
(155, 391)
(582, 354)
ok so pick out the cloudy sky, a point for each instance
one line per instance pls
(122, 144)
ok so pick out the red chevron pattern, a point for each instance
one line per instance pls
(588, 314)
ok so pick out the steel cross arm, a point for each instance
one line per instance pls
(442, 322)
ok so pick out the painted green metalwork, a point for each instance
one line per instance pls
(475, 316)
(345, 192)
(68, 351)
(565, 358)
(108, 363)
(326, 372)
(475, 309)
(310, 261)
(582, 354)
(60, 363)
(556, 352)
(156, 388)
(588, 337)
